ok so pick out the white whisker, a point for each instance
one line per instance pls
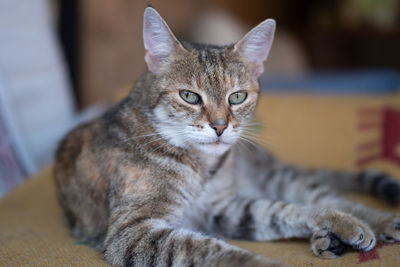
(146, 135)
(242, 146)
(154, 140)
(248, 140)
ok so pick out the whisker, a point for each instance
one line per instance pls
(160, 146)
(154, 140)
(172, 146)
(252, 130)
(257, 142)
(260, 141)
(243, 146)
(146, 135)
(251, 134)
(167, 143)
(248, 140)
(254, 124)
(139, 136)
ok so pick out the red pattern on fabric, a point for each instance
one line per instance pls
(373, 254)
(386, 120)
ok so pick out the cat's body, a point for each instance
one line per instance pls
(158, 178)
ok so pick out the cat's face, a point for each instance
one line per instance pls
(207, 98)
(206, 94)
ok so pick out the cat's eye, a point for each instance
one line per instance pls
(190, 97)
(237, 98)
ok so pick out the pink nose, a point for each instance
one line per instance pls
(219, 126)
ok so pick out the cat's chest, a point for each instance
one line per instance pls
(196, 215)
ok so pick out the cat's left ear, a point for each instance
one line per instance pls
(159, 41)
(255, 45)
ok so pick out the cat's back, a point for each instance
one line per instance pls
(81, 182)
(88, 159)
(71, 147)
(89, 147)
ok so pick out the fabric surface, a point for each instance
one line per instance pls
(313, 131)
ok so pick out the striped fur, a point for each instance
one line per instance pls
(151, 184)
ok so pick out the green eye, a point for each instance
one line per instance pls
(190, 97)
(237, 98)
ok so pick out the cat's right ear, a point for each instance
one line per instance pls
(159, 42)
(255, 45)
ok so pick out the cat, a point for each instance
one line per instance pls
(159, 180)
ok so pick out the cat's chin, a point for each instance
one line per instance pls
(216, 148)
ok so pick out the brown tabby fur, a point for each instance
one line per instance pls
(145, 199)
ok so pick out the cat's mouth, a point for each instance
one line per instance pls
(215, 143)
(216, 147)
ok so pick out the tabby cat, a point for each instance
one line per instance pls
(159, 179)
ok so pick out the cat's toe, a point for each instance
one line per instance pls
(327, 245)
(391, 230)
(354, 232)
(366, 240)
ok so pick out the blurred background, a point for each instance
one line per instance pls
(63, 62)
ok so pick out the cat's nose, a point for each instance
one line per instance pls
(219, 126)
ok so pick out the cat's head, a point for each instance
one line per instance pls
(202, 95)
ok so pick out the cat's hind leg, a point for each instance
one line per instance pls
(322, 188)
(313, 191)
(259, 172)
(374, 182)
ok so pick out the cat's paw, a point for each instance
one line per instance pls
(390, 230)
(384, 187)
(325, 244)
(337, 229)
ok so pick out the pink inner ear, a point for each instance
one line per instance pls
(256, 44)
(256, 53)
(261, 53)
(152, 63)
(259, 69)
(158, 40)
(256, 49)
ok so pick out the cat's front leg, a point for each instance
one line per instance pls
(147, 230)
(330, 230)
(155, 242)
